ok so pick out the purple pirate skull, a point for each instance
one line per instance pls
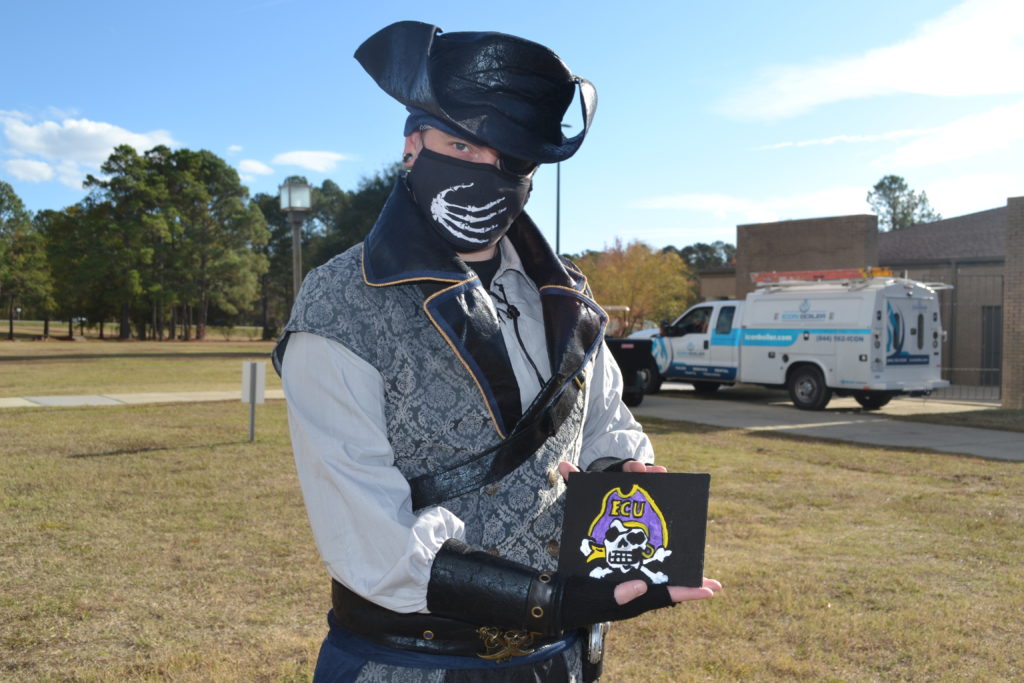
(629, 530)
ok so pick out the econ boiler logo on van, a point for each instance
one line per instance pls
(805, 312)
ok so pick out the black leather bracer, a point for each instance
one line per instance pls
(478, 587)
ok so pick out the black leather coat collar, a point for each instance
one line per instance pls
(402, 249)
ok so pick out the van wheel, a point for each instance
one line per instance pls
(871, 400)
(651, 378)
(807, 388)
(705, 387)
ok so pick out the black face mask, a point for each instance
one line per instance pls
(470, 205)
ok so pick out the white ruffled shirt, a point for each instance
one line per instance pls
(359, 503)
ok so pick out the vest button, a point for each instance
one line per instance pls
(553, 477)
(553, 548)
(491, 490)
(493, 551)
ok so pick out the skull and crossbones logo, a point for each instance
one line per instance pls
(629, 534)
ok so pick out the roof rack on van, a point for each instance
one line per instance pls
(804, 276)
(851, 278)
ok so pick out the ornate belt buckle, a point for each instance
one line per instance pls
(501, 645)
(595, 644)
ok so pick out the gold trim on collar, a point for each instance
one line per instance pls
(483, 394)
(576, 292)
(362, 268)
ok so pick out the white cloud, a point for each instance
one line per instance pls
(969, 136)
(80, 140)
(29, 170)
(59, 114)
(975, 48)
(964, 138)
(234, 149)
(314, 161)
(957, 195)
(679, 235)
(852, 139)
(6, 114)
(839, 201)
(71, 173)
(251, 167)
(68, 149)
(950, 195)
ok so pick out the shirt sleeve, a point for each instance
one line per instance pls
(358, 502)
(609, 430)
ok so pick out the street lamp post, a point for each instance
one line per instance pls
(295, 200)
(558, 204)
(558, 208)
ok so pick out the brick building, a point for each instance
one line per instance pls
(980, 254)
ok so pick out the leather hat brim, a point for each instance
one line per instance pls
(504, 91)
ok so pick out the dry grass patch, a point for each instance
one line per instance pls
(109, 367)
(841, 563)
(156, 543)
(996, 418)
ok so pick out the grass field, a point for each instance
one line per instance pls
(104, 367)
(1006, 420)
(154, 542)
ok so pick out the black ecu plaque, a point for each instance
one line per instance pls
(620, 526)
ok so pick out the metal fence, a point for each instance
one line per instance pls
(970, 384)
(973, 353)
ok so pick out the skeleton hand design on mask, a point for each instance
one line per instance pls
(471, 206)
(462, 220)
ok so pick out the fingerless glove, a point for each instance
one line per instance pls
(477, 587)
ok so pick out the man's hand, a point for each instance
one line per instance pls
(567, 468)
(629, 590)
(639, 467)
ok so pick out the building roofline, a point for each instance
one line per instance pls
(807, 220)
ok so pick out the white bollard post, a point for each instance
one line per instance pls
(254, 381)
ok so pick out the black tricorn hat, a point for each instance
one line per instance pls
(506, 92)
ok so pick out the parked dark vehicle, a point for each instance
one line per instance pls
(634, 359)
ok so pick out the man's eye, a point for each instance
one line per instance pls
(461, 146)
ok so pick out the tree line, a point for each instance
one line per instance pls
(167, 241)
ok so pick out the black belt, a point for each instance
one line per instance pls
(429, 633)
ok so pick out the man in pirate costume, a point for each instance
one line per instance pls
(445, 376)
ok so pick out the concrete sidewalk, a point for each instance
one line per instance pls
(740, 407)
(131, 399)
(842, 421)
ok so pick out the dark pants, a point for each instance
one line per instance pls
(343, 655)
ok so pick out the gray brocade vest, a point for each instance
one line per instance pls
(446, 376)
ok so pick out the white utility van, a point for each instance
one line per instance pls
(851, 333)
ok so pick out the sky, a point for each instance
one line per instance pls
(710, 114)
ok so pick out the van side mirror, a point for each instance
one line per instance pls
(665, 328)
